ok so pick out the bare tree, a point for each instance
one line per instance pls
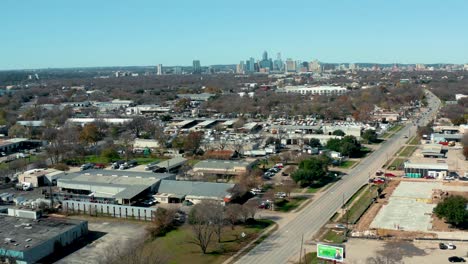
(216, 216)
(202, 226)
(163, 221)
(249, 209)
(288, 186)
(126, 141)
(232, 214)
(133, 252)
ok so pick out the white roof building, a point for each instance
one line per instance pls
(315, 90)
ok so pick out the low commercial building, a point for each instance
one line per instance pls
(28, 240)
(314, 90)
(433, 151)
(447, 129)
(141, 144)
(41, 177)
(435, 137)
(349, 130)
(113, 105)
(223, 167)
(109, 186)
(197, 97)
(146, 110)
(193, 191)
(170, 165)
(13, 145)
(420, 170)
(87, 120)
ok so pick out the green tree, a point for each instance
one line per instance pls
(334, 144)
(310, 171)
(90, 134)
(110, 154)
(369, 136)
(339, 132)
(315, 143)
(453, 210)
(350, 146)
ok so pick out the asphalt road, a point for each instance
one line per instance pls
(285, 243)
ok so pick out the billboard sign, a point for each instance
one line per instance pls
(335, 253)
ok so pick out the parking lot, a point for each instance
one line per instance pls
(360, 250)
(110, 236)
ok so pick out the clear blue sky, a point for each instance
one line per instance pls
(63, 33)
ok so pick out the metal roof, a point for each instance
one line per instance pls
(427, 166)
(221, 164)
(193, 188)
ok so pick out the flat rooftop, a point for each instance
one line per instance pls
(111, 183)
(221, 164)
(28, 233)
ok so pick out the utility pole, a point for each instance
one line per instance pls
(300, 252)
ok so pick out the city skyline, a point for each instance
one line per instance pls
(52, 34)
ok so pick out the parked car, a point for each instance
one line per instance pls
(279, 165)
(340, 226)
(388, 174)
(99, 166)
(284, 174)
(86, 166)
(151, 166)
(257, 190)
(379, 173)
(280, 195)
(429, 177)
(187, 203)
(264, 205)
(377, 180)
(117, 164)
(449, 178)
(456, 259)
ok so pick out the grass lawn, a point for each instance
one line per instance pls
(313, 189)
(385, 135)
(146, 160)
(176, 244)
(286, 205)
(414, 141)
(407, 151)
(395, 128)
(311, 258)
(333, 236)
(363, 202)
(362, 189)
(348, 164)
(192, 162)
(395, 165)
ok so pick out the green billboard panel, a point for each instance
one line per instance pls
(330, 252)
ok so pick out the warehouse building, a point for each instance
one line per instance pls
(195, 192)
(223, 167)
(421, 170)
(433, 151)
(41, 177)
(106, 186)
(28, 240)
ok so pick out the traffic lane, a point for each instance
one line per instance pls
(285, 238)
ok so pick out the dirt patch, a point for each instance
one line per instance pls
(440, 225)
(403, 235)
(370, 214)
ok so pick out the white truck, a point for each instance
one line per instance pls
(25, 186)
